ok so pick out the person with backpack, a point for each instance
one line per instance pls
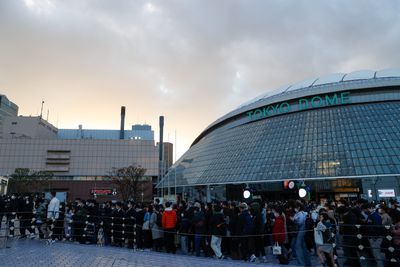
(246, 231)
(324, 238)
(156, 228)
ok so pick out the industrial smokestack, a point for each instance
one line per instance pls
(161, 153)
(122, 130)
(161, 144)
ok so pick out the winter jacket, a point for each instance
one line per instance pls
(217, 224)
(156, 231)
(169, 219)
(278, 230)
(374, 222)
(199, 223)
(246, 224)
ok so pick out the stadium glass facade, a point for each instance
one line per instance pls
(339, 134)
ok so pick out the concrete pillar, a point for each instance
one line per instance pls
(208, 194)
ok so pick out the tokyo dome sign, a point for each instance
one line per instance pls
(301, 104)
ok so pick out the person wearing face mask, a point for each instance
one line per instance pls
(53, 213)
(394, 211)
(157, 233)
(105, 222)
(78, 221)
(349, 218)
(118, 214)
(375, 234)
(130, 220)
(139, 219)
(324, 230)
(279, 233)
(25, 215)
(302, 253)
(269, 222)
(169, 222)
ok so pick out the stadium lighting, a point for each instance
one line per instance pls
(302, 192)
(246, 193)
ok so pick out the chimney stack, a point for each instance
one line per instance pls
(161, 153)
(161, 144)
(122, 130)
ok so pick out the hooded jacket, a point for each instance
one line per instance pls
(169, 219)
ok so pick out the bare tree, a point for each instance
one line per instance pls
(24, 180)
(128, 179)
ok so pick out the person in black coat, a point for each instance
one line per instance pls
(118, 214)
(258, 231)
(246, 229)
(25, 214)
(349, 233)
(199, 224)
(217, 226)
(139, 218)
(78, 221)
(130, 220)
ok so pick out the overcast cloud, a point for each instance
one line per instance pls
(192, 61)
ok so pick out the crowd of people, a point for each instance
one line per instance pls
(292, 229)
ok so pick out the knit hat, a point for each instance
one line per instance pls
(243, 206)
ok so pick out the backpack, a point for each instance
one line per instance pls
(159, 219)
(327, 236)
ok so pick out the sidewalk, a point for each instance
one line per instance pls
(36, 253)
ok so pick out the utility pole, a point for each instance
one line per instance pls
(173, 163)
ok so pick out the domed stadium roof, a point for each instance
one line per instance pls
(322, 85)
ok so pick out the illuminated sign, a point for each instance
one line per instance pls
(103, 192)
(386, 193)
(301, 104)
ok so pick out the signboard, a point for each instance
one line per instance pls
(103, 192)
(386, 193)
(302, 104)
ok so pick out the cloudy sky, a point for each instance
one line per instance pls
(191, 61)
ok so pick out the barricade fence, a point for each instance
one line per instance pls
(15, 225)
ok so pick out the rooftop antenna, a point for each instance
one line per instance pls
(41, 110)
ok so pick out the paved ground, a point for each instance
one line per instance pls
(36, 253)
